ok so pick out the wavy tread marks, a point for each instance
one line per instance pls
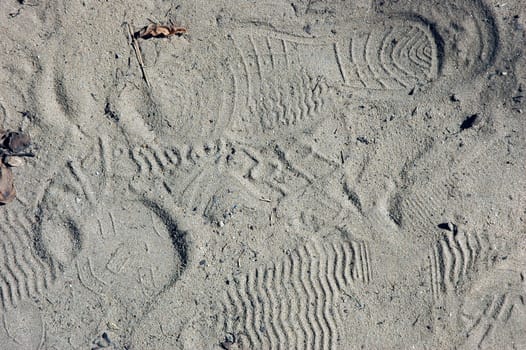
(455, 259)
(293, 304)
(24, 274)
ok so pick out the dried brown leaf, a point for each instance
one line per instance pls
(159, 31)
(7, 185)
(16, 141)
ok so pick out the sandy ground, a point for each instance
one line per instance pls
(292, 175)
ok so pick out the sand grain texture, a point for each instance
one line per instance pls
(292, 175)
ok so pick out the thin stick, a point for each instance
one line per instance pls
(9, 154)
(138, 55)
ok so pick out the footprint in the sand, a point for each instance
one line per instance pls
(27, 270)
(493, 308)
(480, 294)
(298, 301)
(258, 79)
(288, 84)
(456, 259)
(140, 248)
(283, 77)
(26, 274)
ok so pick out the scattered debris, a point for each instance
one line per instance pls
(517, 99)
(14, 14)
(103, 342)
(151, 31)
(110, 113)
(14, 161)
(25, 2)
(159, 31)
(15, 141)
(362, 140)
(28, 115)
(138, 54)
(470, 121)
(12, 145)
(112, 326)
(448, 226)
(228, 343)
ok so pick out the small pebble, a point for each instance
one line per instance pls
(14, 161)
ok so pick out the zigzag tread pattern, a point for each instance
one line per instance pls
(455, 258)
(293, 303)
(260, 90)
(24, 274)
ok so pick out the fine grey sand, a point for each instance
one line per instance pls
(286, 175)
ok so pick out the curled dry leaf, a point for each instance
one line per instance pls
(159, 31)
(7, 185)
(16, 141)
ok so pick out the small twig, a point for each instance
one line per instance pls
(358, 304)
(26, 154)
(239, 258)
(138, 54)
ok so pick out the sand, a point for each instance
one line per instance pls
(287, 175)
